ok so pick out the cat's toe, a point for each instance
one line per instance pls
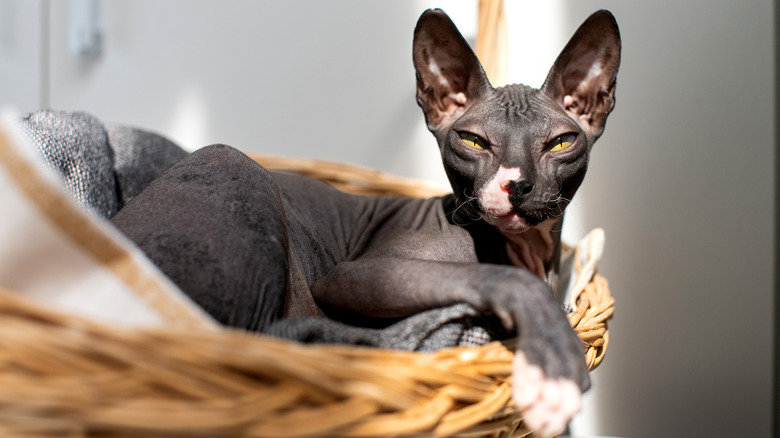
(527, 382)
(551, 414)
(547, 404)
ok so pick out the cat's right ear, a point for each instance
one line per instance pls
(449, 75)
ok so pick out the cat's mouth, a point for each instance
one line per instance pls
(511, 223)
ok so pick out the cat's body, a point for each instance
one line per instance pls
(277, 245)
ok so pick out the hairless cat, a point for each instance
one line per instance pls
(252, 246)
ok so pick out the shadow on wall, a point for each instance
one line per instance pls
(680, 182)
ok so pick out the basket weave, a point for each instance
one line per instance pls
(65, 376)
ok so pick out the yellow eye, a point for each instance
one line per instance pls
(561, 143)
(473, 141)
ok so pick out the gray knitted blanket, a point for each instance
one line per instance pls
(104, 166)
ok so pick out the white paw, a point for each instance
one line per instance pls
(547, 404)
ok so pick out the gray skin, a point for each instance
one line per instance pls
(252, 246)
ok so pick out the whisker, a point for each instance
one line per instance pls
(463, 204)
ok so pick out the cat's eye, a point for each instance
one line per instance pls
(562, 142)
(473, 141)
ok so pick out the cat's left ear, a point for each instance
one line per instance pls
(582, 80)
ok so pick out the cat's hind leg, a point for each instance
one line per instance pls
(214, 224)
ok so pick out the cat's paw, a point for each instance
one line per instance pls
(548, 404)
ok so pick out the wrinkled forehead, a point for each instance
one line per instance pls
(522, 101)
(520, 109)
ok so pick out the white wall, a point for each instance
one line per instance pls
(22, 51)
(682, 180)
(683, 183)
(305, 78)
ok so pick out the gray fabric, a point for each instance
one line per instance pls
(104, 167)
(139, 157)
(457, 325)
(75, 145)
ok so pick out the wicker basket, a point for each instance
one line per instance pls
(67, 376)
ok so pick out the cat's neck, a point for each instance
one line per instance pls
(537, 249)
(533, 249)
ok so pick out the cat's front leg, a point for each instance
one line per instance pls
(549, 371)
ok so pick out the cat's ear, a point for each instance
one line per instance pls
(449, 75)
(583, 78)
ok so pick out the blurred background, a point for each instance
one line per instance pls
(682, 181)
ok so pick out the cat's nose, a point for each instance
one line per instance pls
(505, 186)
(517, 189)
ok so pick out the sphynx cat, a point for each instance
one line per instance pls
(253, 246)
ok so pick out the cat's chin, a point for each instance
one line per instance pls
(511, 223)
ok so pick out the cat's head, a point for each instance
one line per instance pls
(515, 155)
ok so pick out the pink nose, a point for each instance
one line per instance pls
(505, 186)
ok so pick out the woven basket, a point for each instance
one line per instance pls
(65, 376)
